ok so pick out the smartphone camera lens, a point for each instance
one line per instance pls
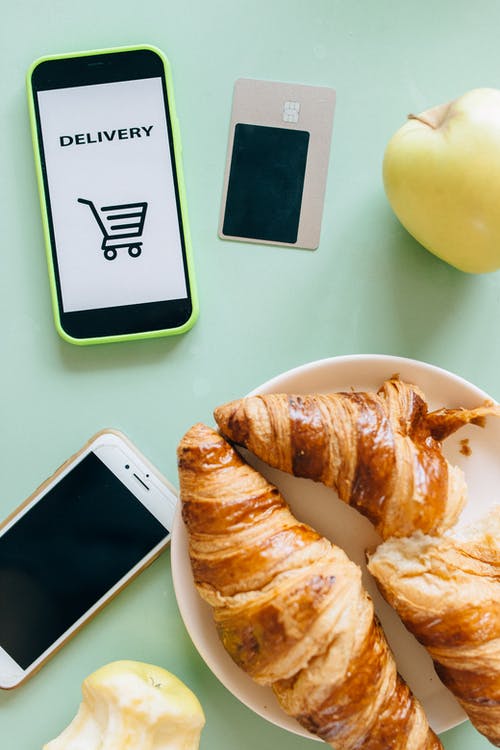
(127, 466)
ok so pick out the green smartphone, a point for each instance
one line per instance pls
(108, 161)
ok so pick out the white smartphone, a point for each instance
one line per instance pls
(87, 531)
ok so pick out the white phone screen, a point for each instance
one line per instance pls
(112, 194)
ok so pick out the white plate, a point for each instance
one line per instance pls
(320, 507)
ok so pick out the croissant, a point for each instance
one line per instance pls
(381, 452)
(447, 592)
(289, 607)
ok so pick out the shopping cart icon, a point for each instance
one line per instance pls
(119, 223)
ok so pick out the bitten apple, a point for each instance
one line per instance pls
(129, 705)
(442, 178)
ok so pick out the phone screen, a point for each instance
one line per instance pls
(112, 194)
(67, 551)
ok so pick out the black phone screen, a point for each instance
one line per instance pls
(107, 153)
(65, 553)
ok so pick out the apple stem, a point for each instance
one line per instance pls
(434, 117)
(154, 683)
(422, 119)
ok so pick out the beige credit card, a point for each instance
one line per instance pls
(277, 163)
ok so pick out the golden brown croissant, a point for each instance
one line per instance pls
(380, 451)
(289, 606)
(447, 592)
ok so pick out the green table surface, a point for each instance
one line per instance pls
(369, 288)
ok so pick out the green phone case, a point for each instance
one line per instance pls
(182, 196)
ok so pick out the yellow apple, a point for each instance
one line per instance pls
(442, 178)
(129, 705)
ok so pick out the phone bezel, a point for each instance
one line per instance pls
(115, 450)
(126, 321)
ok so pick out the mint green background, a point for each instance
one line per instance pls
(369, 288)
